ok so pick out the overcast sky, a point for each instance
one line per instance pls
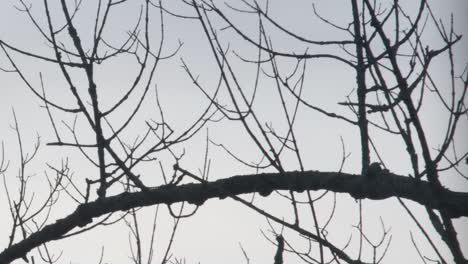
(215, 232)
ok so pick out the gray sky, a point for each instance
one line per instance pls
(213, 235)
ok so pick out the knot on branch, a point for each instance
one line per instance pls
(83, 217)
(198, 197)
(266, 186)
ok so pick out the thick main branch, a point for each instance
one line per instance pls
(386, 185)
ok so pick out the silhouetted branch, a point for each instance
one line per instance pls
(383, 186)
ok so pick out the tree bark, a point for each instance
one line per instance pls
(382, 186)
